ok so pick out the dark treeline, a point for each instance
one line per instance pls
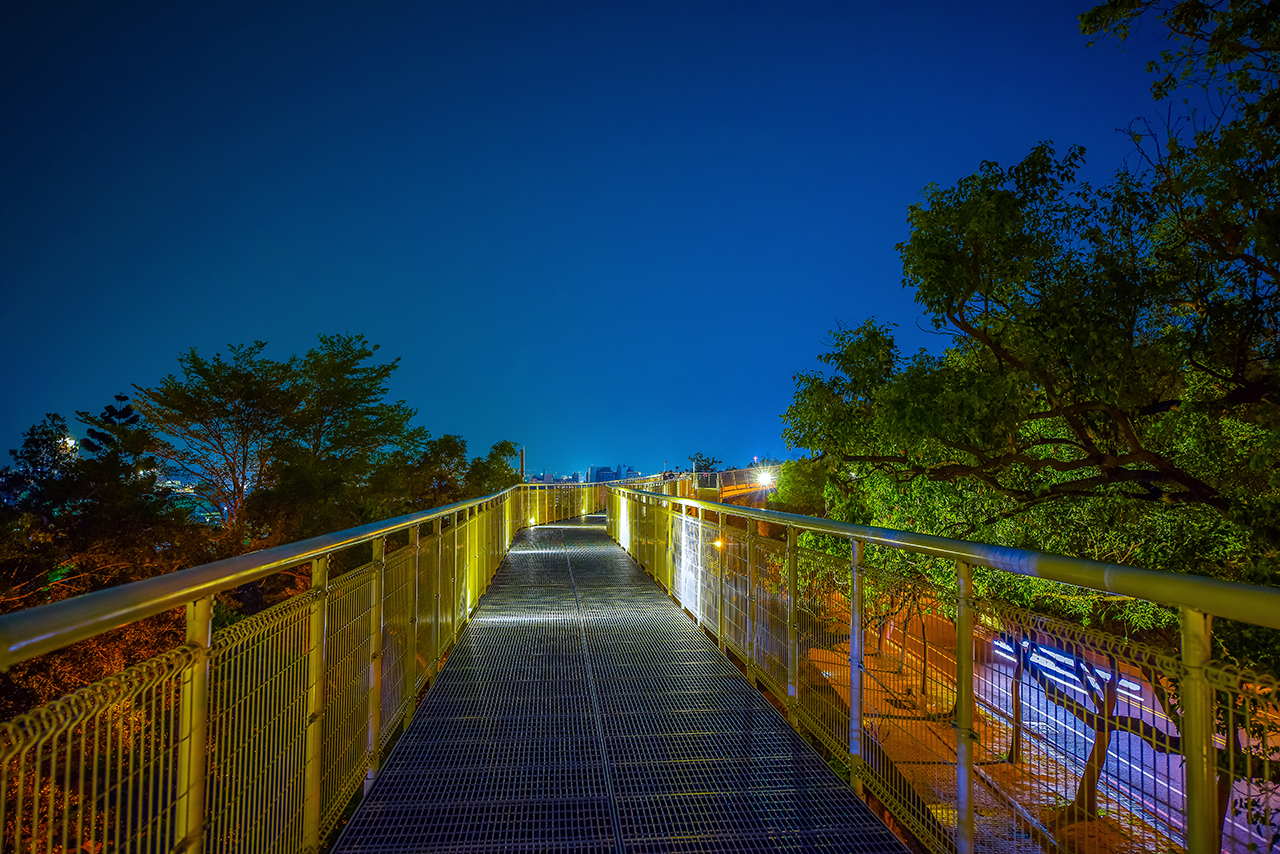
(231, 454)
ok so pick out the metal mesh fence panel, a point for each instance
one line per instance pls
(1248, 757)
(737, 581)
(428, 608)
(444, 588)
(909, 698)
(348, 646)
(685, 586)
(822, 600)
(709, 576)
(258, 708)
(397, 636)
(773, 601)
(98, 769)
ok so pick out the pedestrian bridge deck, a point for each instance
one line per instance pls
(582, 710)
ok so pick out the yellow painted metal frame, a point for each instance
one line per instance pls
(254, 738)
(779, 655)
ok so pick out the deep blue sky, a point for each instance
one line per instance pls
(610, 231)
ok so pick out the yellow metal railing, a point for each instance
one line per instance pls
(976, 725)
(255, 737)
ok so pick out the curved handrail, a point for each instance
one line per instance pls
(31, 632)
(1229, 599)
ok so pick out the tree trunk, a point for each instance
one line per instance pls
(1015, 742)
(1085, 804)
(924, 659)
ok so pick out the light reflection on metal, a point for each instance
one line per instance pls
(1024, 742)
(293, 727)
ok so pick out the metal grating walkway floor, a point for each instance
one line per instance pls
(582, 710)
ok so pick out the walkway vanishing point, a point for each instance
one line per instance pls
(582, 710)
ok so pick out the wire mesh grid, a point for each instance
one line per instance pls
(772, 605)
(348, 651)
(258, 707)
(822, 604)
(709, 545)
(687, 587)
(97, 767)
(737, 593)
(909, 699)
(428, 609)
(582, 710)
(1248, 757)
(398, 606)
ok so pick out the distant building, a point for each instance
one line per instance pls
(603, 474)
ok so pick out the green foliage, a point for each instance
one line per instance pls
(219, 426)
(704, 463)
(1111, 385)
(77, 519)
(336, 453)
(800, 488)
(76, 522)
(278, 450)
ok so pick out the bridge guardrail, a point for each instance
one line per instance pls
(255, 737)
(969, 712)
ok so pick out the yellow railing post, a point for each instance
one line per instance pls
(192, 759)
(966, 738)
(751, 603)
(436, 640)
(314, 774)
(373, 744)
(793, 626)
(456, 620)
(1197, 734)
(856, 638)
(720, 581)
(697, 567)
(411, 659)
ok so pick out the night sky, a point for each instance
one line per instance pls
(609, 231)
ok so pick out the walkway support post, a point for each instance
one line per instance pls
(314, 775)
(966, 738)
(720, 580)
(194, 722)
(411, 660)
(697, 566)
(1197, 734)
(856, 637)
(751, 603)
(793, 627)
(373, 744)
(437, 641)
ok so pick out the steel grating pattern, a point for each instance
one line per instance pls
(582, 710)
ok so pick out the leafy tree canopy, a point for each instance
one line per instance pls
(1112, 359)
(702, 462)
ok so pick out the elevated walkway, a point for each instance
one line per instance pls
(582, 710)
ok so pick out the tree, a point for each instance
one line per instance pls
(328, 457)
(75, 522)
(1111, 386)
(800, 489)
(704, 463)
(437, 477)
(492, 472)
(281, 450)
(219, 427)
(1090, 358)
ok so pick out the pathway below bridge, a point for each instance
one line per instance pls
(581, 710)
